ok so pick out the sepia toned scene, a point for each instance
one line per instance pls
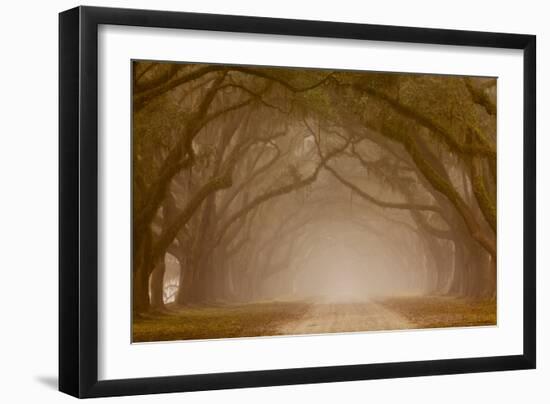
(286, 201)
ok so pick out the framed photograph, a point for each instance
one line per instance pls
(251, 202)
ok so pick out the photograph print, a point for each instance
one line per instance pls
(273, 201)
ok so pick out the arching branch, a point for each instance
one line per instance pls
(279, 191)
(377, 202)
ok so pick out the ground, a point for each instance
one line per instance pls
(303, 317)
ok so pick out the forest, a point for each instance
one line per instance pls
(280, 201)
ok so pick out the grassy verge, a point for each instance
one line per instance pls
(223, 321)
(439, 311)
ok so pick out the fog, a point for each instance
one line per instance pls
(261, 184)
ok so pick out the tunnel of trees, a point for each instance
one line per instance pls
(246, 180)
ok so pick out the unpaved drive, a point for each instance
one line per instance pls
(333, 317)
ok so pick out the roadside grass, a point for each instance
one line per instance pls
(216, 321)
(444, 311)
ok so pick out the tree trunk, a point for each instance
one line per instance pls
(140, 286)
(157, 286)
(474, 275)
(140, 294)
(456, 284)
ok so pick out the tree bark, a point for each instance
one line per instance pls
(157, 286)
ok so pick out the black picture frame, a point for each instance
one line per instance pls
(78, 201)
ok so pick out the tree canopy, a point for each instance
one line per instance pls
(246, 175)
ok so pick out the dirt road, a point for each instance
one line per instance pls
(333, 317)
